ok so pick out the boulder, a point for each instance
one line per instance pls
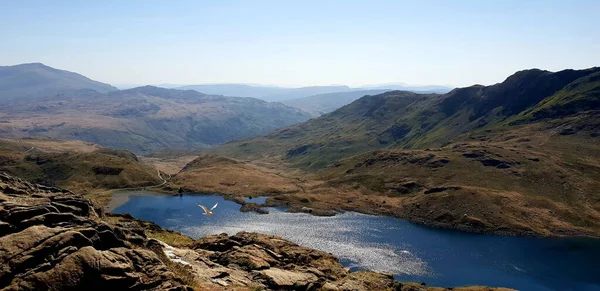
(284, 279)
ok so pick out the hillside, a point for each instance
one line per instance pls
(74, 165)
(147, 118)
(408, 120)
(519, 157)
(36, 81)
(516, 182)
(580, 96)
(369, 123)
(320, 104)
(427, 89)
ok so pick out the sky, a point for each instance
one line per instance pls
(300, 43)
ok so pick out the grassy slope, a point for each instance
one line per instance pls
(368, 123)
(210, 174)
(540, 187)
(581, 95)
(76, 166)
(405, 120)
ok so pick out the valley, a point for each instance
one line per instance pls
(145, 119)
(300, 145)
(470, 160)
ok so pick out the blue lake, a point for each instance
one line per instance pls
(414, 253)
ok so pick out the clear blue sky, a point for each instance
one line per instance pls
(297, 43)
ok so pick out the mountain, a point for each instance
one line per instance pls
(146, 118)
(400, 119)
(320, 104)
(521, 157)
(34, 81)
(267, 93)
(281, 94)
(403, 87)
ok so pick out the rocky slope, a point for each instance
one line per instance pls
(53, 239)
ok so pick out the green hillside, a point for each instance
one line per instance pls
(408, 120)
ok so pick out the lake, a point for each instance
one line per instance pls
(414, 253)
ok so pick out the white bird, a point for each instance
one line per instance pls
(206, 210)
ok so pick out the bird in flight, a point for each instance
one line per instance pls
(206, 210)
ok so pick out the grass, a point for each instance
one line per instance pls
(581, 95)
(77, 166)
(171, 238)
(550, 187)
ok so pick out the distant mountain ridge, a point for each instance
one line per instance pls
(43, 101)
(266, 93)
(35, 80)
(324, 103)
(399, 119)
(281, 94)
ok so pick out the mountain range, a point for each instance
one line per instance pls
(518, 157)
(43, 101)
(400, 119)
(282, 94)
(320, 104)
(147, 118)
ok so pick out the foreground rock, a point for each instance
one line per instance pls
(52, 239)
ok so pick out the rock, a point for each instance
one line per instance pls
(6, 228)
(27, 212)
(440, 189)
(247, 207)
(474, 154)
(248, 257)
(52, 239)
(278, 278)
(55, 219)
(491, 162)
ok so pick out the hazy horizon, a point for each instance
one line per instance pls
(302, 43)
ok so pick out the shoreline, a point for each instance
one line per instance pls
(120, 197)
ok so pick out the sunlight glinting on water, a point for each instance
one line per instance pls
(329, 234)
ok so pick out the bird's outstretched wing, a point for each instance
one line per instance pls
(213, 208)
(206, 211)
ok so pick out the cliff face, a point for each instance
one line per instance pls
(53, 239)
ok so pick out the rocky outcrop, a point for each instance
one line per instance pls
(267, 262)
(52, 239)
(248, 207)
